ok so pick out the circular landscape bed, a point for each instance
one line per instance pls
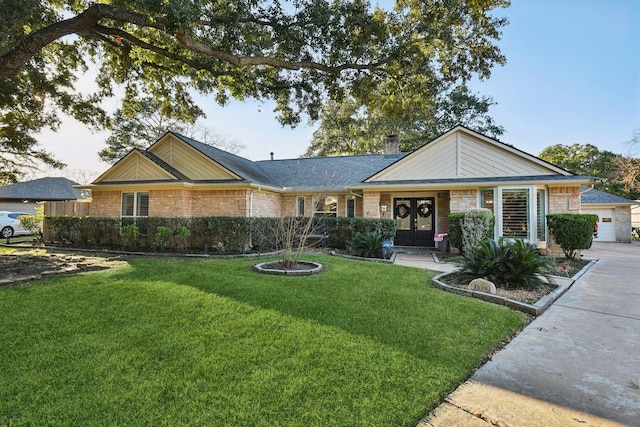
(302, 268)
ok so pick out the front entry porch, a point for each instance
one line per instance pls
(415, 218)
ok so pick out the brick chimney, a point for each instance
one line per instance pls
(392, 144)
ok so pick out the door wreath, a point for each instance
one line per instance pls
(403, 210)
(425, 210)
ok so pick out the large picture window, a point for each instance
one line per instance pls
(515, 213)
(135, 204)
(325, 206)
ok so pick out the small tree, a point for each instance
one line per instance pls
(130, 234)
(183, 234)
(34, 223)
(292, 234)
(163, 236)
(572, 231)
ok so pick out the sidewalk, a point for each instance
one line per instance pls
(578, 364)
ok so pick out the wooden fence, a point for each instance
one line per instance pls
(67, 208)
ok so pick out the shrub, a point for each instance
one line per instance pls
(477, 225)
(163, 236)
(454, 233)
(367, 244)
(130, 234)
(507, 263)
(34, 223)
(462, 232)
(572, 231)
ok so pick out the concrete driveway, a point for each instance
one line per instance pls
(578, 364)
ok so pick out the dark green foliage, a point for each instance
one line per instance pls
(162, 236)
(507, 263)
(296, 54)
(130, 234)
(572, 231)
(454, 233)
(367, 244)
(215, 234)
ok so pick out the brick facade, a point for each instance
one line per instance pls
(463, 200)
(561, 200)
(170, 203)
(265, 204)
(564, 199)
(106, 204)
(371, 204)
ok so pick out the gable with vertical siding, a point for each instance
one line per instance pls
(189, 161)
(463, 154)
(135, 167)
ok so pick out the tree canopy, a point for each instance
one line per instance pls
(298, 53)
(620, 172)
(349, 128)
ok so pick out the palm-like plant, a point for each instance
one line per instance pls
(507, 263)
(367, 244)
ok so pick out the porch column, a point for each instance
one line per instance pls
(371, 204)
(562, 200)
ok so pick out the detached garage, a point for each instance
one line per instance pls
(614, 215)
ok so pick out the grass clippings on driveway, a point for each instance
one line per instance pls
(210, 342)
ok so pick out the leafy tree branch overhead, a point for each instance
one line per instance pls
(298, 53)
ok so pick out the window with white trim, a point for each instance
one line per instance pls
(300, 206)
(351, 207)
(515, 213)
(325, 206)
(541, 203)
(135, 204)
(486, 199)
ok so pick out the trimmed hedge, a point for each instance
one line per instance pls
(572, 231)
(215, 234)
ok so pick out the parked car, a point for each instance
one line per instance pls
(10, 224)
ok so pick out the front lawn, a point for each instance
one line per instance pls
(210, 342)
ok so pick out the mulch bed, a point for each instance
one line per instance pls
(563, 268)
(20, 266)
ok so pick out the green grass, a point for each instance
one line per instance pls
(209, 342)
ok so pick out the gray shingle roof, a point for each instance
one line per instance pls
(41, 189)
(592, 197)
(326, 172)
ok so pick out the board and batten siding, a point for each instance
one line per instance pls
(189, 161)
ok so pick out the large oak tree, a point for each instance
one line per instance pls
(298, 53)
(621, 173)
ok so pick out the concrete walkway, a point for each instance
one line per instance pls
(578, 364)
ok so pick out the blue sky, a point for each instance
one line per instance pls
(572, 76)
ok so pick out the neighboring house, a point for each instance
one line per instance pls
(614, 215)
(24, 196)
(635, 214)
(460, 170)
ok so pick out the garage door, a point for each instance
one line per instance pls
(606, 224)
